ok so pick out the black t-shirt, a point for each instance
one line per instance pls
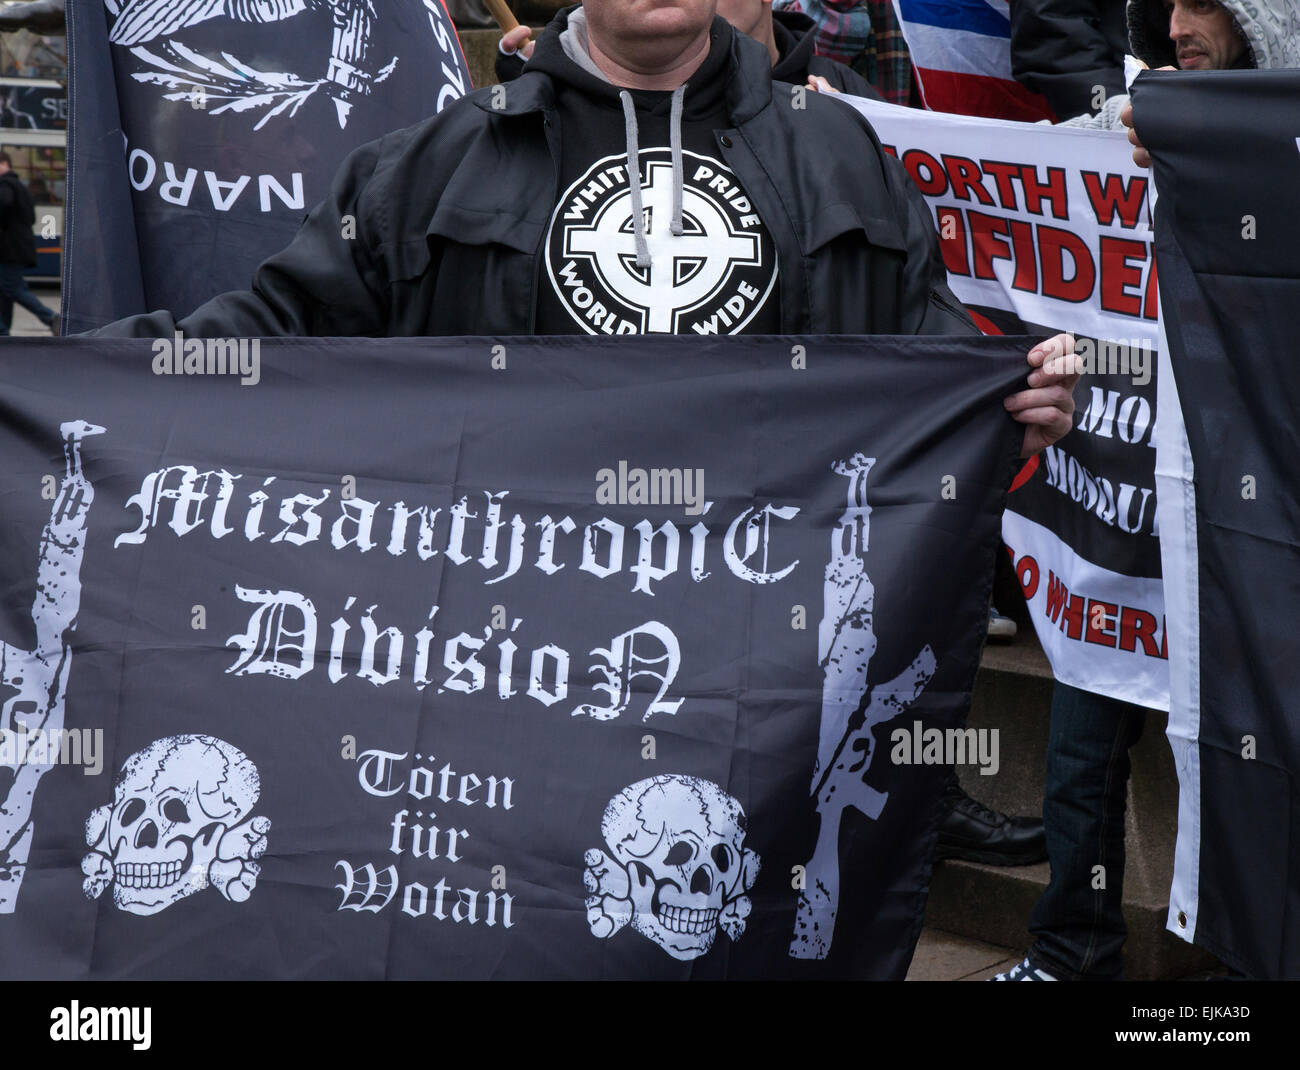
(718, 277)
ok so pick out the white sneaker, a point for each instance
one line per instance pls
(1000, 627)
(1024, 972)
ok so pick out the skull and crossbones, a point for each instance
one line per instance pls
(677, 869)
(179, 821)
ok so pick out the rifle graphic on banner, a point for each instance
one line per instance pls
(846, 640)
(40, 675)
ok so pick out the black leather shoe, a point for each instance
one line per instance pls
(974, 833)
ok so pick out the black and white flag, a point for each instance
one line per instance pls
(1226, 147)
(1084, 542)
(1053, 235)
(203, 132)
(488, 658)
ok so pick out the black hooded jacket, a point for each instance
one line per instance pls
(439, 229)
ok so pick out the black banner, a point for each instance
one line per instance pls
(202, 134)
(488, 658)
(1227, 169)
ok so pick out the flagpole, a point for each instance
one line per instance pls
(501, 12)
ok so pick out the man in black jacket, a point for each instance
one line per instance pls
(17, 248)
(642, 175)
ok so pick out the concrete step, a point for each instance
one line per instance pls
(1013, 692)
(944, 956)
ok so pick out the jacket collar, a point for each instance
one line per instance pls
(794, 43)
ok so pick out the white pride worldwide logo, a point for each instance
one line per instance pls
(711, 279)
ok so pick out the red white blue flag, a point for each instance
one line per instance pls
(961, 50)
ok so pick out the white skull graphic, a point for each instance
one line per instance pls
(178, 822)
(679, 868)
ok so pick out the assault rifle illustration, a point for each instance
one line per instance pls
(40, 676)
(851, 708)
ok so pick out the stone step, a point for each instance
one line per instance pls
(944, 956)
(1013, 692)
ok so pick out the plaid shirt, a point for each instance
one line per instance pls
(864, 35)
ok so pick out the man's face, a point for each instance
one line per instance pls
(745, 15)
(1204, 35)
(632, 21)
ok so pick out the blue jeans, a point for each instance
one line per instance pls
(13, 287)
(1078, 928)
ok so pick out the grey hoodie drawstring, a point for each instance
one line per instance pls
(675, 139)
(643, 260)
(634, 180)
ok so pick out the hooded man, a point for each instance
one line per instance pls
(1203, 35)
